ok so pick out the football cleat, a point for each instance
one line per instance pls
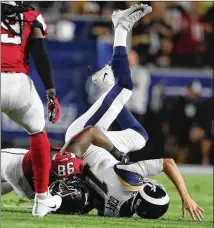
(43, 206)
(104, 79)
(127, 18)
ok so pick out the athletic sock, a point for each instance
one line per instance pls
(120, 36)
(40, 154)
(42, 195)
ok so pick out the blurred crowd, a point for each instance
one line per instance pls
(175, 34)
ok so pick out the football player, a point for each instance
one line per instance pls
(121, 186)
(22, 33)
(65, 178)
(17, 173)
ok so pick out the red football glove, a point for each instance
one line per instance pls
(53, 109)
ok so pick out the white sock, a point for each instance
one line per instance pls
(120, 36)
(42, 195)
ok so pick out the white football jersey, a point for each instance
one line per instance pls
(116, 183)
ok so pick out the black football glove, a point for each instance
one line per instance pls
(120, 156)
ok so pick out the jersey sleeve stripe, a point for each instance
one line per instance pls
(40, 23)
(41, 20)
(128, 186)
(130, 180)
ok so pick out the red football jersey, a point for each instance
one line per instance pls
(27, 168)
(65, 165)
(14, 48)
(61, 165)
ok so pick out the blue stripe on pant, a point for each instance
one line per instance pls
(120, 68)
(126, 120)
(106, 104)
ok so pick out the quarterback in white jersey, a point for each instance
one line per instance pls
(121, 186)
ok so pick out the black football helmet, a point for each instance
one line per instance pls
(12, 10)
(76, 195)
(152, 201)
(10, 7)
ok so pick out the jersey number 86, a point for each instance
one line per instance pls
(65, 169)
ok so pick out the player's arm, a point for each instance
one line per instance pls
(81, 142)
(42, 62)
(172, 172)
(44, 69)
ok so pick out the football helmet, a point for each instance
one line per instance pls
(75, 193)
(10, 7)
(152, 201)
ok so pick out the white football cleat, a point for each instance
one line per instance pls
(127, 18)
(43, 206)
(104, 79)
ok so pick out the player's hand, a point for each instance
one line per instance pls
(120, 156)
(195, 211)
(53, 108)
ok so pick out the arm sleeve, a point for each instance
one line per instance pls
(42, 62)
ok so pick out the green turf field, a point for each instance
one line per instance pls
(16, 212)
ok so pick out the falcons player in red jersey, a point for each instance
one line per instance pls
(65, 169)
(17, 172)
(22, 33)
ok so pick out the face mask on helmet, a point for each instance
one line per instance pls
(76, 196)
(9, 8)
(152, 201)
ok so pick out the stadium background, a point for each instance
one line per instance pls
(174, 48)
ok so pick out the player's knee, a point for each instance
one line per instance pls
(36, 133)
(138, 141)
(144, 134)
(139, 129)
(141, 142)
(33, 125)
